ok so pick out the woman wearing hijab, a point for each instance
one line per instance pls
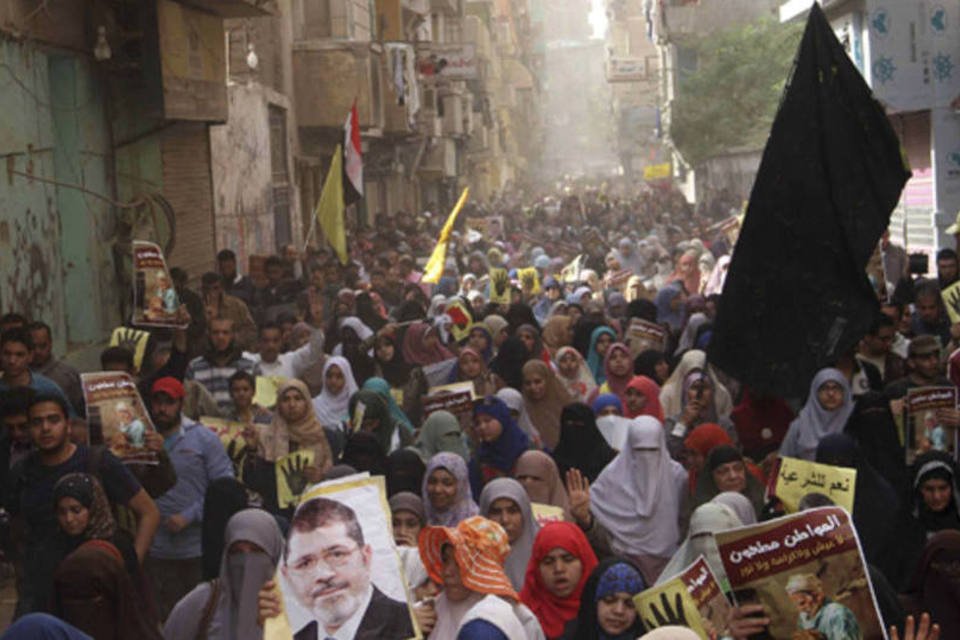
(707, 520)
(405, 380)
(509, 361)
(739, 504)
(671, 306)
(638, 498)
(581, 444)
(405, 471)
(825, 413)
(934, 585)
(370, 311)
(224, 498)
(471, 367)
(607, 404)
(606, 603)
(441, 432)
(378, 421)
(355, 341)
(382, 387)
(600, 340)
(873, 500)
(530, 335)
(468, 562)
(642, 398)
(559, 566)
(501, 442)
(422, 347)
(505, 501)
(617, 370)
(688, 338)
(93, 592)
(332, 405)
(480, 340)
(364, 452)
(688, 272)
(499, 329)
(652, 364)
(671, 393)
(295, 426)
(544, 397)
(538, 474)
(557, 333)
(227, 609)
(699, 407)
(408, 519)
(573, 372)
(872, 425)
(726, 470)
(446, 491)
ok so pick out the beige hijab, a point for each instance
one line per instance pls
(306, 433)
(544, 414)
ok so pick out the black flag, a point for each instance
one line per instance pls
(797, 294)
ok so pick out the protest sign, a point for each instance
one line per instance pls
(456, 398)
(544, 513)
(266, 392)
(670, 604)
(643, 335)
(571, 273)
(796, 478)
(292, 477)
(116, 415)
(704, 589)
(155, 301)
(923, 429)
(499, 285)
(341, 534)
(951, 300)
(134, 340)
(807, 570)
(529, 280)
(438, 373)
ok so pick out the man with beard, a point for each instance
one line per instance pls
(327, 563)
(820, 617)
(222, 359)
(175, 561)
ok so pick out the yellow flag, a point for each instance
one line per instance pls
(434, 268)
(330, 207)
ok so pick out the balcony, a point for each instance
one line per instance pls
(440, 160)
(328, 75)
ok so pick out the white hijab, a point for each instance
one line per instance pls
(671, 395)
(708, 519)
(334, 409)
(637, 497)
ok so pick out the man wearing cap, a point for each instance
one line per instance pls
(831, 620)
(174, 563)
(925, 369)
(327, 562)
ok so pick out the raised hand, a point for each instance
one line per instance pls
(578, 492)
(925, 631)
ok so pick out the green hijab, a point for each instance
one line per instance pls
(441, 432)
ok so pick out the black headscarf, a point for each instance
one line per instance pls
(519, 314)
(509, 361)
(224, 498)
(642, 309)
(405, 471)
(583, 332)
(938, 465)
(363, 452)
(581, 445)
(368, 313)
(586, 626)
(871, 425)
(396, 371)
(645, 364)
(874, 499)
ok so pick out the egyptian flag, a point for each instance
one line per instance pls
(352, 158)
(797, 294)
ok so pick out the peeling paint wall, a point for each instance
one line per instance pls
(240, 157)
(55, 251)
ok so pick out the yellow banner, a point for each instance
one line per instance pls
(499, 286)
(292, 477)
(657, 171)
(266, 393)
(529, 280)
(133, 339)
(797, 478)
(669, 604)
(951, 300)
(544, 513)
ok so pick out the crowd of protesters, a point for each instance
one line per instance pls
(114, 550)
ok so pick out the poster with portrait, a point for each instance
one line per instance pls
(808, 572)
(155, 301)
(117, 416)
(923, 429)
(795, 478)
(341, 574)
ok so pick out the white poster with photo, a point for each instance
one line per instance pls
(341, 574)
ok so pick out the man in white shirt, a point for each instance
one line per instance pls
(270, 362)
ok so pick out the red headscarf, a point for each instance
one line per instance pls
(552, 611)
(651, 391)
(416, 353)
(703, 440)
(617, 384)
